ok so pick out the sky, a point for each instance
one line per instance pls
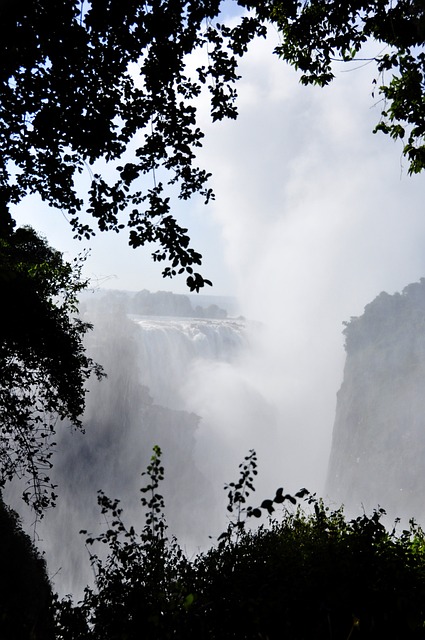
(302, 186)
(314, 216)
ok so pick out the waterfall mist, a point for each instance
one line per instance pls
(151, 362)
(314, 217)
(314, 227)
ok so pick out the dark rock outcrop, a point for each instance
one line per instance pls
(378, 446)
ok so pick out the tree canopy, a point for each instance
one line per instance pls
(86, 84)
(317, 33)
(70, 97)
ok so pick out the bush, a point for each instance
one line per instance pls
(309, 573)
(25, 594)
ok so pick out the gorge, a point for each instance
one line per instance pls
(191, 380)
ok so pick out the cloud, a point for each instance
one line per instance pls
(317, 217)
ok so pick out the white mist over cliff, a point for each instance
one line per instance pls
(203, 390)
(313, 217)
(151, 362)
(318, 217)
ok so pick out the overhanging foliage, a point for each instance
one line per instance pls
(90, 84)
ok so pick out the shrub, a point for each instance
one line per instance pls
(308, 573)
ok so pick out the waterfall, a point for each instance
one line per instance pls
(169, 347)
(205, 388)
(151, 363)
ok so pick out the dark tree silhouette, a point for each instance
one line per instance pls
(43, 365)
(89, 82)
(309, 574)
(26, 611)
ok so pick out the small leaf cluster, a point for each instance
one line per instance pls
(237, 495)
(155, 519)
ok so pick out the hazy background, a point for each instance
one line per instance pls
(314, 217)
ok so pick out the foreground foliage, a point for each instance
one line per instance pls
(309, 574)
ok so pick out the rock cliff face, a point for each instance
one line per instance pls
(378, 446)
